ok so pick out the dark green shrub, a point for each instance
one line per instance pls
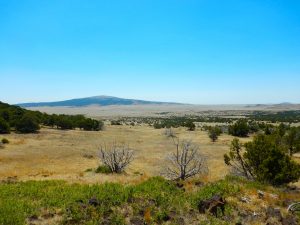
(268, 130)
(253, 126)
(263, 160)
(103, 169)
(269, 163)
(281, 129)
(214, 133)
(5, 141)
(292, 140)
(90, 124)
(4, 127)
(64, 122)
(27, 124)
(157, 126)
(190, 125)
(240, 128)
(116, 122)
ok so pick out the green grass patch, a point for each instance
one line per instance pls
(115, 202)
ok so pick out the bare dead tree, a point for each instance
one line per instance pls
(169, 132)
(116, 156)
(185, 162)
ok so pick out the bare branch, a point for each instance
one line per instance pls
(169, 132)
(185, 162)
(116, 156)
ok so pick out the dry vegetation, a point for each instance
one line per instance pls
(55, 154)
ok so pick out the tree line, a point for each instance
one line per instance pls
(27, 121)
(292, 116)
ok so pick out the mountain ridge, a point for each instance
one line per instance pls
(101, 100)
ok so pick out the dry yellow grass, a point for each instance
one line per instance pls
(55, 154)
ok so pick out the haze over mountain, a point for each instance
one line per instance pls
(95, 100)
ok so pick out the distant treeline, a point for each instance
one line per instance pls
(173, 121)
(185, 121)
(27, 121)
(247, 124)
(284, 117)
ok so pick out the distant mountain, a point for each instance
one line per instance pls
(282, 105)
(96, 100)
(285, 103)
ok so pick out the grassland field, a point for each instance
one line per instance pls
(57, 154)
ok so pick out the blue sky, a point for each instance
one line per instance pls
(205, 51)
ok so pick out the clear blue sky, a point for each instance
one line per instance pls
(204, 51)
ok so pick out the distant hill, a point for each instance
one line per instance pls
(96, 100)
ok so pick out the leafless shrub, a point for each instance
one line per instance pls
(116, 156)
(169, 132)
(186, 162)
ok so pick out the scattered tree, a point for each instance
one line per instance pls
(236, 160)
(292, 140)
(116, 156)
(269, 162)
(268, 130)
(214, 133)
(90, 124)
(264, 161)
(186, 162)
(157, 126)
(240, 128)
(191, 126)
(281, 129)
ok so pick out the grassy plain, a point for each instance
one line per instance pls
(56, 154)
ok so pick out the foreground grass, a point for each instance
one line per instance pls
(153, 202)
(19, 201)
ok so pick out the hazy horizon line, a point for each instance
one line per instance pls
(158, 101)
